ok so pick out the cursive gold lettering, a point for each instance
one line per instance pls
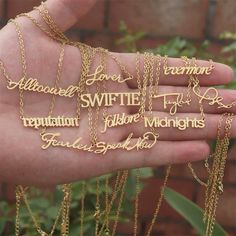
(188, 70)
(175, 103)
(147, 141)
(33, 85)
(118, 120)
(99, 76)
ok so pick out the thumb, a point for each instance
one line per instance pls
(66, 13)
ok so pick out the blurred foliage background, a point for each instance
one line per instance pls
(45, 203)
(189, 28)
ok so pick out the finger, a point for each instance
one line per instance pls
(221, 74)
(58, 165)
(181, 131)
(163, 153)
(232, 151)
(228, 96)
(65, 13)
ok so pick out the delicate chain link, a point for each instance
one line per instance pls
(64, 205)
(120, 202)
(4, 72)
(120, 181)
(18, 203)
(23, 63)
(193, 80)
(143, 91)
(158, 73)
(214, 185)
(151, 78)
(160, 200)
(215, 182)
(136, 207)
(49, 21)
(82, 209)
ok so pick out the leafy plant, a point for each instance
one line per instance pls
(46, 208)
(190, 212)
(129, 38)
(178, 47)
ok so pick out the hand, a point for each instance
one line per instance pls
(22, 160)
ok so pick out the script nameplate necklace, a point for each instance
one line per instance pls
(178, 101)
(34, 86)
(108, 99)
(147, 141)
(176, 122)
(212, 96)
(118, 120)
(187, 70)
(60, 121)
(99, 76)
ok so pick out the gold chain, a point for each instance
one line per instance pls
(136, 207)
(49, 21)
(18, 203)
(158, 73)
(120, 202)
(151, 78)
(120, 181)
(215, 182)
(82, 209)
(214, 185)
(194, 80)
(66, 188)
(143, 91)
(23, 63)
(160, 200)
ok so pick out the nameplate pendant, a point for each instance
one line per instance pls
(99, 76)
(30, 84)
(119, 120)
(43, 122)
(173, 101)
(146, 141)
(109, 99)
(187, 70)
(175, 122)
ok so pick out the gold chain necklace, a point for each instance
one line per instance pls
(157, 59)
(20, 192)
(214, 185)
(84, 49)
(119, 186)
(194, 80)
(215, 181)
(149, 61)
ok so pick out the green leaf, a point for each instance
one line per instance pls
(77, 191)
(190, 211)
(228, 35)
(4, 208)
(139, 35)
(229, 48)
(232, 85)
(51, 212)
(3, 222)
(123, 27)
(146, 172)
(39, 203)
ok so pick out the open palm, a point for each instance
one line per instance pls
(22, 159)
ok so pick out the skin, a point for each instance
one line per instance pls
(22, 161)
